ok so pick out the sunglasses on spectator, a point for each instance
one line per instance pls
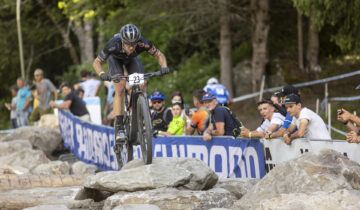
(156, 102)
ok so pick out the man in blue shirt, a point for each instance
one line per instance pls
(23, 101)
(222, 95)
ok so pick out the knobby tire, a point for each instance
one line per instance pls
(144, 129)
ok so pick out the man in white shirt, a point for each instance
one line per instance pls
(271, 123)
(309, 124)
(91, 86)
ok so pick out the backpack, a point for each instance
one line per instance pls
(237, 123)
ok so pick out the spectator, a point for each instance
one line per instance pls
(12, 106)
(108, 114)
(162, 115)
(91, 86)
(289, 89)
(200, 119)
(347, 118)
(176, 97)
(23, 102)
(71, 102)
(222, 95)
(176, 126)
(45, 90)
(271, 123)
(84, 76)
(309, 124)
(276, 100)
(221, 120)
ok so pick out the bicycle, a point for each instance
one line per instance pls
(137, 121)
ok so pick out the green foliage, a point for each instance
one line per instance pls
(191, 75)
(344, 15)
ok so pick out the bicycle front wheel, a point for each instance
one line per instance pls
(144, 129)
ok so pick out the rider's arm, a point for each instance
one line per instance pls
(97, 65)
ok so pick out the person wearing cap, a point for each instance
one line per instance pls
(348, 119)
(162, 116)
(289, 89)
(176, 126)
(45, 91)
(271, 123)
(222, 95)
(71, 102)
(221, 120)
(199, 119)
(309, 124)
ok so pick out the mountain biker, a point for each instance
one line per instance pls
(121, 52)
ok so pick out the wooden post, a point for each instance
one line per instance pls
(329, 118)
(262, 87)
(326, 98)
(317, 105)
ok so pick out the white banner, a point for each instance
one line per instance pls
(276, 151)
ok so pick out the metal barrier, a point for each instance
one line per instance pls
(315, 82)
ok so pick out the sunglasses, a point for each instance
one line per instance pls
(156, 102)
(131, 44)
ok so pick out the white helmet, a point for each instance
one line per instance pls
(212, 81)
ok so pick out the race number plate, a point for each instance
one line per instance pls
(136, 79)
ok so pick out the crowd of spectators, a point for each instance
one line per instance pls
(283, 114)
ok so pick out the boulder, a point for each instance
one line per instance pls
(26, 158)
(13, 170)
(19, 199)
(45, 139)
(172, 198)
(49, 121)
(136, 207)
(327, 171)
(52, 168)
(7, 148)
(187, 173)
(237, 187)
(341, 199)
(80, 167)
(47, 207)
(28, 181)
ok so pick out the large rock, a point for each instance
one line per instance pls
(136, 207)
(52, 168)
(45, 139)
(202, 178)
(28, 181)
(327, 171)
(26, 158)
(47, 207)
(238, 187)
(13, 170)
(19, 199)
(187, 173)
(80, 167)
(49, 121)
(7, 148)
(341, 199)
(171, 198)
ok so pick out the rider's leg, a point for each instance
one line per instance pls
(116, 68)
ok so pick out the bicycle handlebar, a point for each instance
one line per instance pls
(146, 76)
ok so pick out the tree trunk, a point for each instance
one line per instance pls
(300, 42)
(83, 32)
(260, 31)
(225, 47)
(65, 35)
(100, 44)
(312, 54)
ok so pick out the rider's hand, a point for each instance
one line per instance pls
(105, 77)
(164, 70)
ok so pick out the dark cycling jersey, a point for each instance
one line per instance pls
(114, 47)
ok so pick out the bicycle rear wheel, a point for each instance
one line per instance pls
(144, 129)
